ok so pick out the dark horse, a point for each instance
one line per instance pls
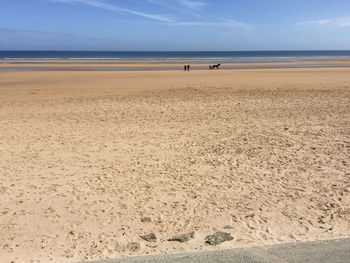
(214, 66)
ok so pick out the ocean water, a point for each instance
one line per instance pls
(169, 55)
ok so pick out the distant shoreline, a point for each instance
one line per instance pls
(4, 69)
(15, 65)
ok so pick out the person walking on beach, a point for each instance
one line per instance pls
(188, 67)
(185, 68)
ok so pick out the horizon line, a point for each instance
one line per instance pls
(262, 50)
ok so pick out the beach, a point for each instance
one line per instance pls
(90, 161)
(11, 65)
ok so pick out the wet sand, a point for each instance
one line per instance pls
(163, 64)
(85, 156)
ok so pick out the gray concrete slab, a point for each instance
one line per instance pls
(335, 251)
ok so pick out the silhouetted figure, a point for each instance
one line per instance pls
(214, 66)
(188, 67)
(185, 68)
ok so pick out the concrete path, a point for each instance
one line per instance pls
(336, 251)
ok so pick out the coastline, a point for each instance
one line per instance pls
(182, 55)
(161, 64)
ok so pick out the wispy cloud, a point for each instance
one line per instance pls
(113, 8)
(341, 22)
(187, 5)
(192, 4)
(227, 23)
(183, 6)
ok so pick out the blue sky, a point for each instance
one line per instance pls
(160, 25)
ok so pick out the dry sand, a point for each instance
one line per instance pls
(84, 156)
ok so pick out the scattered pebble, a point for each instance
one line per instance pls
(134, 246)
(250, 215)
(151, 237)
(218, 238)
(183, 237)
(228, 227)
(146, 220)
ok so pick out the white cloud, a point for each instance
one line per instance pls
(113, 8)
(187, 5)
(341, 22)
(192, 4)
(227, 23)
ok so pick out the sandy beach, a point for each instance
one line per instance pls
(168, 64)
(92, 161)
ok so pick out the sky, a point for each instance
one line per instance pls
(174, 25)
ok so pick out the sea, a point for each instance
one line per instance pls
(151, 55)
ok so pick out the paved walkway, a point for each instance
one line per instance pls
(336, 251)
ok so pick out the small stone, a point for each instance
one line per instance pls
(250, 215)
(218, 238)
(146, 220)
(134, 246)
(228, 227)
(183, 237)
(151, 237)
